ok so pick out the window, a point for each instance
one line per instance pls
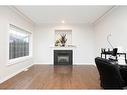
(19, 42)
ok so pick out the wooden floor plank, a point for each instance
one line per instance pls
(55, 77)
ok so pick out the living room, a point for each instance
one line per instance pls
(54, 47)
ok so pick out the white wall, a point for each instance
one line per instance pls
(82, 37)
(8, 16)
(116, 24)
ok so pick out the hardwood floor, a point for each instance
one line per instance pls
(55, 77)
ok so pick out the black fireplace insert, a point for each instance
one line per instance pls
(63, 57)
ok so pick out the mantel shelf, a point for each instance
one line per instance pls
(65, 47)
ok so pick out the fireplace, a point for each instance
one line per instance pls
(63, 57)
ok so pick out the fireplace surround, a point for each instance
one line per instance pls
(63, 57)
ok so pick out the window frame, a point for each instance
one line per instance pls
(23, 58)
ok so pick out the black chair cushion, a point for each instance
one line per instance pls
(109, 74)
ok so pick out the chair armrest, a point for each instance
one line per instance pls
(123, 71)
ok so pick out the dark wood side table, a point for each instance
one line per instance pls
(110, 53)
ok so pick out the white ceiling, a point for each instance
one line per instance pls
(70, 14)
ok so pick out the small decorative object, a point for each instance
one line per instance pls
(57, 43)
(63, 40)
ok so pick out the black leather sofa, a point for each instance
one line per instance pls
(111, 74)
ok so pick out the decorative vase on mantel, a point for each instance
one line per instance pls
(63, 40)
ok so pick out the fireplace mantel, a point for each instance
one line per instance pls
(63, 48)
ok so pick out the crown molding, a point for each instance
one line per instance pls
(21, 14)
(105, 14)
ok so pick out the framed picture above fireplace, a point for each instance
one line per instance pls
(63, 37)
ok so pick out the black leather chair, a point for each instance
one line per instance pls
(110, 75)
(123, 72)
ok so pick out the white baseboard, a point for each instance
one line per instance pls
(43, 63)
(12, 75)
(84, 63)
(73, 63)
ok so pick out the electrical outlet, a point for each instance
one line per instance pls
(26, 69)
